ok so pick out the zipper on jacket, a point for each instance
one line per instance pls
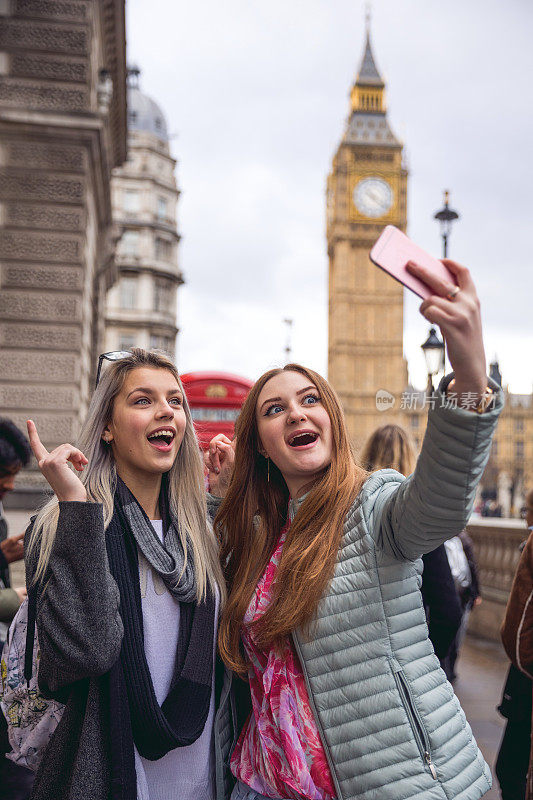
(420, 734)
(317, 720)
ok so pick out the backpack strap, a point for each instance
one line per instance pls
(30, 634)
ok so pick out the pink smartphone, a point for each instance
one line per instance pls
(394, 249)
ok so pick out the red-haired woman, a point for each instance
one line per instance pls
(324, 615)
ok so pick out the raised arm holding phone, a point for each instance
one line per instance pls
(324, 616)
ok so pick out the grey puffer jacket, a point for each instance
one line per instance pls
(390, 723)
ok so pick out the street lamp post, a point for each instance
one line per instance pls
(445, 217)
(433, 349)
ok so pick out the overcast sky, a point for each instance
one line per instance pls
(256, 95)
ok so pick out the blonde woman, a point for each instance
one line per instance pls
(129, 588)
(389, 447)
(324, 617)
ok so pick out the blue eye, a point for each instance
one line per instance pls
(141, 401)
(312, 398)
(274, 409)
(176, 400)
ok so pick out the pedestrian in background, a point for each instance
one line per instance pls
(460, 551)
(129, 588)
(513, 756)
(14, 454)
(15, 781)
(391, 447)
(516, 750)
(324, 617)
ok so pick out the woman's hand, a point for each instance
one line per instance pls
(219, 459)
(21, 592)
(455, 309)
(55, 467)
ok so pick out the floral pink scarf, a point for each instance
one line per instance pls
(279, 752)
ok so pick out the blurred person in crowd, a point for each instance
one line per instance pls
(491, 508)
(390, 446)
(460, 552)
(515, 754)
(15, 781)
(14, 454)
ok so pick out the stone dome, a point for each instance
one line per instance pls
(145, 115)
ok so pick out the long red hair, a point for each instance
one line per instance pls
(253, 512)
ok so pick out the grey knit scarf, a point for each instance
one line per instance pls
(180, 719)
(167, 558)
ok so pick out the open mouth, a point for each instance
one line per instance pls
(303, 439)
(162, 439)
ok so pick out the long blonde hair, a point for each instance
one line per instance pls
(389, 446)
(255, 509)
(185, 478)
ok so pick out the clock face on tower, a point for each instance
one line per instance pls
(373, 197)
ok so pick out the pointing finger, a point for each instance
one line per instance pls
(39, 450)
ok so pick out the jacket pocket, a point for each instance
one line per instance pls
(415, 720)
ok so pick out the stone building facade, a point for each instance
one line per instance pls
(62, 131)
(367, 189)
(141, 308)
(509, 471)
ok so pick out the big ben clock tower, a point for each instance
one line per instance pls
(366, 190)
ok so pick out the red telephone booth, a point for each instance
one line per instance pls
(215, 399)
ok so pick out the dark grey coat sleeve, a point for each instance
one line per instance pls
(416, 515)
(78, 622)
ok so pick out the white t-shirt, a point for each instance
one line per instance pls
(186, 772)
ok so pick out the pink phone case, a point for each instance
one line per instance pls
(394, 249)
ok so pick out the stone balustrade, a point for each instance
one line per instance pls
(496, 545)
